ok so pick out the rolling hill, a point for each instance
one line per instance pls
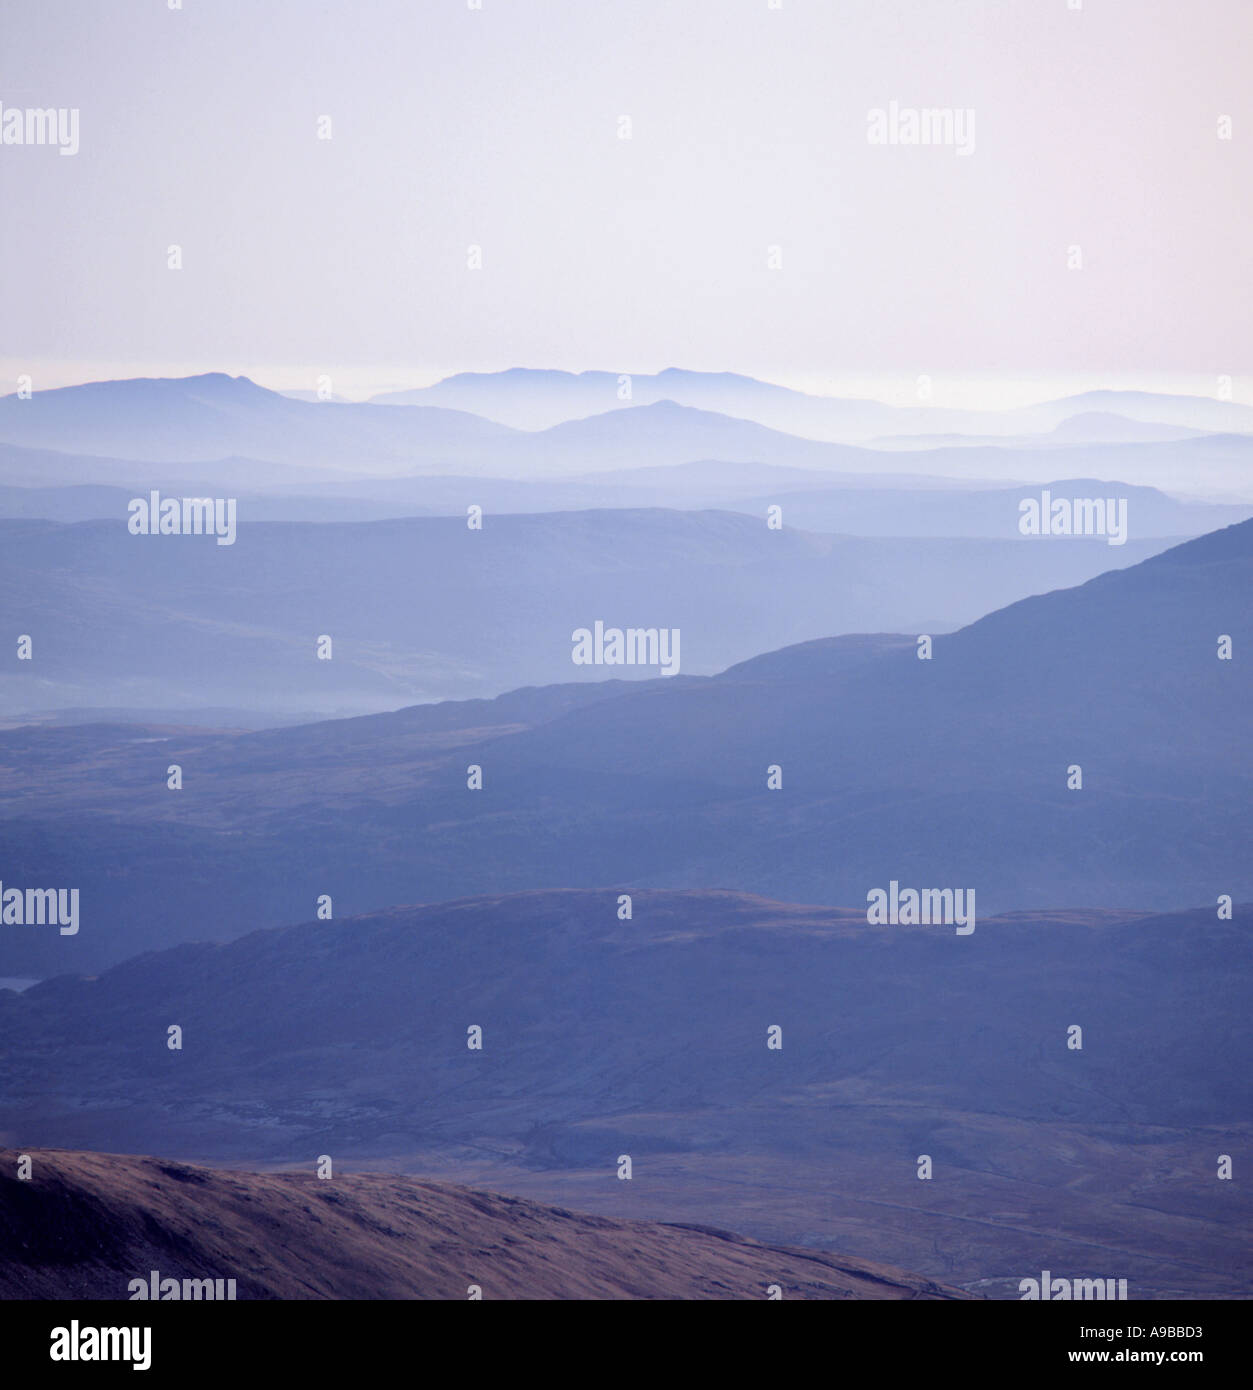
(426, 609)
(952, 771)
(86, 1225)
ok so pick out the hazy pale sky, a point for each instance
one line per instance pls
(499, 128)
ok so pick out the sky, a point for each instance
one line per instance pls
(500, 128)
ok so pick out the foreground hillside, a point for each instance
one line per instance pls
(650, 1037)
(84, 1225)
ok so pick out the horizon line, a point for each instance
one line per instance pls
(986, 392)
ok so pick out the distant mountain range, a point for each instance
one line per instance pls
(179, 424)
(813, 501)
(534, 400)
(202, 418)
(1089, 427)
(983, 511)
